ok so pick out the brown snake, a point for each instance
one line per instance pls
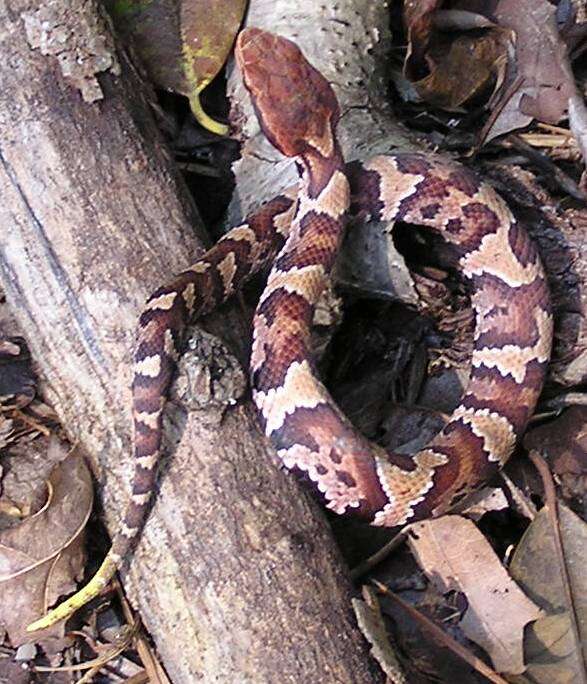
(298, 112)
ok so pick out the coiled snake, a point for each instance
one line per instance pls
(298, 112)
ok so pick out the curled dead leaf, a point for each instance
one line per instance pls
(539, 80)
(183, 43)
(469, 65)
(448, 71)
(208, 30)
(41, 557)
(515, 46)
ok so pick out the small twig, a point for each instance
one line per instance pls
(552, 509)
(95, 664)
(379, 556)
(547, 165)
(524, 504)
(548, 140)
(568, 399)
(558, 130)
(153, 668)
(31, 422)
(89, 675)
(444, 638)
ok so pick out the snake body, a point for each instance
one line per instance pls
(300, 236)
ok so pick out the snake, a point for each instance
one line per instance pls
(298, 234)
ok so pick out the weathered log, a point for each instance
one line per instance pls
(236, 575)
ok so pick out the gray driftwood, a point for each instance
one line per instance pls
(236, 576)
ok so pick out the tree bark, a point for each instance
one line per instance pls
(236, 575)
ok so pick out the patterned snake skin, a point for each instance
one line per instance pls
(298, 112)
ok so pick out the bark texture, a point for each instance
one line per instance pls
(236, 575)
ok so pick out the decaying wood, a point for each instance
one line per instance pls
(236, 575)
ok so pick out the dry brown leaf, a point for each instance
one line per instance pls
(183, 43)
(564, 442)
(539, 81)
(464, 69)
(208, 30)
(524, 53)
(154, 27)
(418, 22)
(456, 557)
(447, 71)
(553, 653)
(486, 500)
(40, 558)
(371, 624)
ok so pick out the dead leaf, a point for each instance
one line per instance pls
(539, 81)
(371, 624)
(465, 68)
(208, 30)
(28, 465)
(418, 22)
(564, 443)
(40, 558)
(456, 557)
(553, 654)
(183, 43)
(154, 28)
(449, 71)
(484, 501)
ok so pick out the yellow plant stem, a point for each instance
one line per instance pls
(92, 589)
(203, 119)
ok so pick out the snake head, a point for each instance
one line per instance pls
(295, 104)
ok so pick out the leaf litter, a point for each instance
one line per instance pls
(183, 44)
(511, 52)
(554, 655)
(455, 556)
(42, 557)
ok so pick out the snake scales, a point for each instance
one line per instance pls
(300, 236)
